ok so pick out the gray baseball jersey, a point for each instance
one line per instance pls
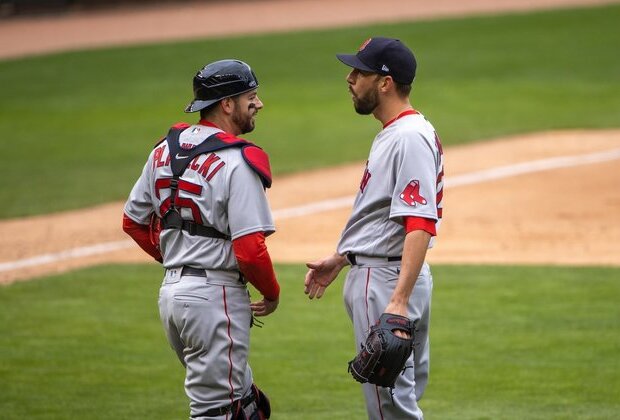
(403, 177)
(218, 189)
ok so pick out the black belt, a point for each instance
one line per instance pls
(191, 271)
(194, 229)
(352, 258)
(214, 412)
(201, 272)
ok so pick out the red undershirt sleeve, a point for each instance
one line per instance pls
(255, 264)
(420, 223)
(141, 234)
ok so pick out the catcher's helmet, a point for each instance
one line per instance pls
(219, 80)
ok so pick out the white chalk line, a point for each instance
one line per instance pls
(467, 179)
(80, 252)
(339, 203)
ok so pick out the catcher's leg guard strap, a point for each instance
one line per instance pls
(262, 410)
(235, 409)
(263, 407)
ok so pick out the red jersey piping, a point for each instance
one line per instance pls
(208, 124)
(402, 114)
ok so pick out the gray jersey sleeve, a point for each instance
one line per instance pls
(248, 209)
(139, 205)
(415, 173)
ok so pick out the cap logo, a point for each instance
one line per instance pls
(364, 44)
(385, 68)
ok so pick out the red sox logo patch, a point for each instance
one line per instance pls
(411, 194)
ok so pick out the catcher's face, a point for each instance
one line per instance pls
(364, 88)
(247, 106)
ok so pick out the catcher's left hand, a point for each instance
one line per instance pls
(384, 354)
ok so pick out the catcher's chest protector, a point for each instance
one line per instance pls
(181, 157)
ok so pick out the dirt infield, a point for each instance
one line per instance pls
(549, 198)
(196, 19)
(554, 200)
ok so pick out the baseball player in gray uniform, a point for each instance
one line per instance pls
(395, 217)
(198, 184)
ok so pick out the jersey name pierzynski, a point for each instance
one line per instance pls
(219, 189)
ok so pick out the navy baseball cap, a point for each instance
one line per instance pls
(384, 56)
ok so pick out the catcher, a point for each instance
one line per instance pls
(395, 217)
(200, 208)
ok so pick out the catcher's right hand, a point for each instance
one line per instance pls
(384, 354)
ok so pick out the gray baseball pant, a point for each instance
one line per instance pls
(207, 323)
(367, 291)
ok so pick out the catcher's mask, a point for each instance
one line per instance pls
(219, 80)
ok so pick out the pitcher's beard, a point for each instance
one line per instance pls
(364, 105)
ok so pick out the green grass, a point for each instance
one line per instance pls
(77, 126)
(507, 343)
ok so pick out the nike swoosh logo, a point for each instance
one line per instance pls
(181, 156)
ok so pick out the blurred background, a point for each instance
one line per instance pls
(14, 8)
(526, 321)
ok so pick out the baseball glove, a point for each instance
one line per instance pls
(383, 356)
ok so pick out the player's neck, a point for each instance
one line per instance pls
(389, 110)
(225, 124)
